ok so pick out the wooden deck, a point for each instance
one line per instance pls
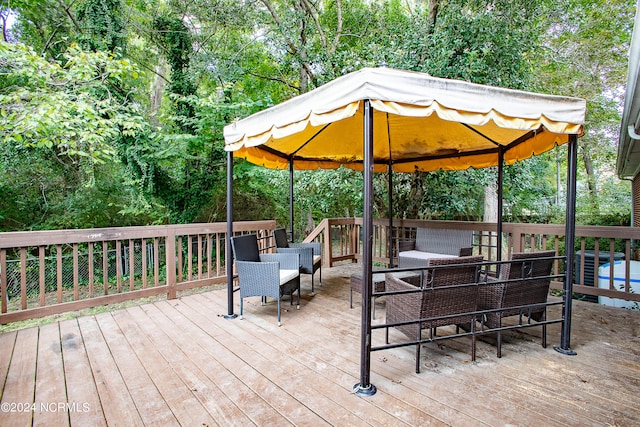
(178, 362)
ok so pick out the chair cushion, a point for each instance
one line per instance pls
(424, 255)
(287, 275)
(316, 259)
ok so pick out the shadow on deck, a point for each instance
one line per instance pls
(179, 362)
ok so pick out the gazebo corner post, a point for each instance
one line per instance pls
(229, 255)
(364, 387)
(570, 233)
(500, 196)
(390, 210)
(291, 198)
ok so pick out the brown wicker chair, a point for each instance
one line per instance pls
(449, 288)
(522, 282)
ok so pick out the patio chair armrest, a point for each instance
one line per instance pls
(490, 292)
(466, 251)
(306, 255)
(315, 246)
(402, 306)
(406, 245)
(288, 261)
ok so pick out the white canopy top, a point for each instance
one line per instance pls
(323, 128)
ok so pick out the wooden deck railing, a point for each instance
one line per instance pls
(595, 246)
(51, 272)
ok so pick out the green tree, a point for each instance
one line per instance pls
(101, 25)
(63, 120)
(585, 54)
(68, 107)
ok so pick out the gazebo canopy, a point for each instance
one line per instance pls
(419, 122)
(372, 118)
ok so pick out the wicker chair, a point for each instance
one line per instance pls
(449, 287)
(522, 282)
(265, 275)
(310, 254)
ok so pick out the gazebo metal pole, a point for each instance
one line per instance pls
(500, 202)
(364, 387)
(569, 246)
(390, 191)
(291, 198)
(390, 211)
(229, 254)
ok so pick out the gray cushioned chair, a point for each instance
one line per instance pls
(310, 254)
(265, 275)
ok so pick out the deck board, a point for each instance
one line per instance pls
(180, 362)
(7, 344)
(50, 384)
(179, 345)
(79, 379)
(117, 404)
(19, 386)
(149, 402)
(179, 397)
(241, 381)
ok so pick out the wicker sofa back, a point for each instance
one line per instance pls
(434, 243)
(443, 241)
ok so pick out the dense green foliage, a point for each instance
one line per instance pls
(111, 111)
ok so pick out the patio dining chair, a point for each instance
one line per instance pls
(265, 275)
(449, 294)
(310, 254)
(522, 283)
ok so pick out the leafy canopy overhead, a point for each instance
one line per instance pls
(119, 105)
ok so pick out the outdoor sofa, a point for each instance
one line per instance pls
(434, 243)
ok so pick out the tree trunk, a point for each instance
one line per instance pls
(416, 194)
(157, 91)
(311, 225)
(491, 212)
(591, 179)
(302, 49)
(491, 203)
(433, 14)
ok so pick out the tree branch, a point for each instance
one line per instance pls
(274, 79)
(276, 18)
(4, 26)
(313, 12)
(68, 12)
(294, 50)
(336, 40)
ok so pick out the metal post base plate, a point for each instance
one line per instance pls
(230, 316)
(369, 390)
(567, 352)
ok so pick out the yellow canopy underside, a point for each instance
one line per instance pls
(419, 122)
(413, 137)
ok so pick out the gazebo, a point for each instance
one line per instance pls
(379, 119)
